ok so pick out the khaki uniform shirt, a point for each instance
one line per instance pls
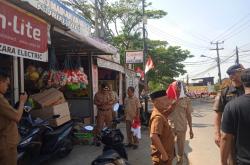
(104, 101)
(178, 118)
(132, 105)
(8, 128)
(159, 125)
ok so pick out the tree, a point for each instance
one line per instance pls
(121, 19)
(168, 64)
(121, 22)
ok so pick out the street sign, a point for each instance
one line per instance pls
(134, 57)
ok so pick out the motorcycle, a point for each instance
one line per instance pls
(40, 142)
(114, 150)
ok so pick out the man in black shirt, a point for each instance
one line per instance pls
(235, 125)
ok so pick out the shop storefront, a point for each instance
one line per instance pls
(22, 36)
(66, 47)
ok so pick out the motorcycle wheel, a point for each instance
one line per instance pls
(65, 149)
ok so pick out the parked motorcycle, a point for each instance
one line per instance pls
(114, 152)
(40, 142)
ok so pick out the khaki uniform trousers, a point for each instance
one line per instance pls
(104, 118)
(158, 161)
(8, 154)
(180, 141)
(131, 139)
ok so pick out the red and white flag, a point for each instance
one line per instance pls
(149, 64)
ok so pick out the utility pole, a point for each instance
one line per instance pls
(144, 57)
(97, 16)
(144, 44)
(237, 55)
(218, 57)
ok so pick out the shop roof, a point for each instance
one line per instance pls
(67, 40)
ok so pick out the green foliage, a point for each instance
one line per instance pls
(167, 63)
(122, 27)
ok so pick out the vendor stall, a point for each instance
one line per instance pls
(71, 49)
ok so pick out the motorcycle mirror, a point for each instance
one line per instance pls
(55, 116)
(116, 107)
(89, 128)
(27, 108)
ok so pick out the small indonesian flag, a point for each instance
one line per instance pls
(139, 70)
(149, 64)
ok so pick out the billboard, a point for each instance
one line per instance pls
(134, 57)
(22, 34)
(68, 17)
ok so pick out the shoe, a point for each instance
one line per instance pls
(179, 160)
(129, 145)
(135, 147)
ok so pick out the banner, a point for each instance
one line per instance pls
(22, 34)
(68, 17)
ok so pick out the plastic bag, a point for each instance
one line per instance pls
(136, 127)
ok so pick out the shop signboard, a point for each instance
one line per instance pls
(63, 14)
(134, 57)
(22, 34)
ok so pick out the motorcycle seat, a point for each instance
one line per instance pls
(60, 129)
(108, 155)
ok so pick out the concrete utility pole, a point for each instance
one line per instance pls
(144, 55)
(97, 16)
(218, 57)
(144, 42)
(237, 55)
(99, 28)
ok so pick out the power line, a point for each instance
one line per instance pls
(196, 35)
(176, 39)
(237, 32)
(212, 67)
(227, 31)
(244, 45)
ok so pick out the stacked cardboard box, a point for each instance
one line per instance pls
(48, 97)
(49, 112)
(87, 120)
(51, 102)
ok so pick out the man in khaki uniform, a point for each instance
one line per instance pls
(132, 110)
(161, 135)
(104, 100)
(228, 93)
(9, 117)
(179, 118)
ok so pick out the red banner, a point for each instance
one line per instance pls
(22, 34)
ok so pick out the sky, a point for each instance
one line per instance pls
(194, 24)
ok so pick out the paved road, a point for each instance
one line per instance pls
(201, 150)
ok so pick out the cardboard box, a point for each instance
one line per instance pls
(87, 120)
(59, 121)
(48, 97)
(48, 112)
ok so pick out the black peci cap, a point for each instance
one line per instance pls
(232, 69)
(104, 85)
(158, 94)
(245, 77)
